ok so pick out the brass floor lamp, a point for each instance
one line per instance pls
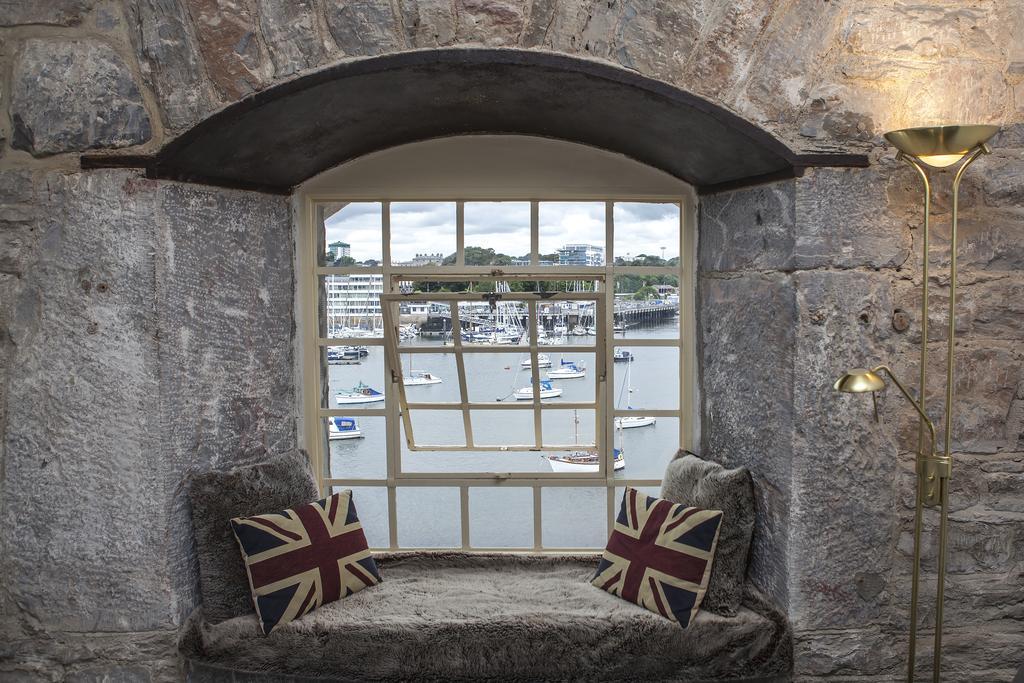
(933, 148)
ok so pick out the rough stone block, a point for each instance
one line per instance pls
(169, 60)
(291, 30)
(494, 23)
(843, 464)
(987, 239)
(987, 307)
(50, 12)
(363, 28)
(747, 394)
(228, 37)
(749, 229)
(225, 294)
(83, 509)
(845, 221)
(73, 95)
(723, 44)
(428, 23)
(652, 37)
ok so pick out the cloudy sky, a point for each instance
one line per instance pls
(429, 227)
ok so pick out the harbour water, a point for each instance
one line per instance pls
(502, 516)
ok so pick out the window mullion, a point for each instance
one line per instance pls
(392, 435)
(460, 363)
(531, 321)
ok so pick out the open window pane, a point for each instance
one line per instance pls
(501, 517)
(646, 377)
(568, 322)
(350, 305)
(422, 233)
(574, 374)
(574, 517)
(372, 507)
(646, 233)
(355, 377)
(430, 377)
(494, 377)
(647, 444)
(569, 428)
(572, 233)
(428, 517)
(349, 233)
(355, 447)
(502, 427)
(497, 233)
(503, 324)
(646, 307)
(438, 427)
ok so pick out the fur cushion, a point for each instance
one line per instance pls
(455, 617)
(673, 542)
(690, 480)
(217, 496)
(304, 557)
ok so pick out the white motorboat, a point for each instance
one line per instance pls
(568, 369)
(419, 379)
(579, 331)
(546, 391)
(361, 393)
(629, 422)
(343, 428)
(583, 461)
(543, 361)
(622, 356)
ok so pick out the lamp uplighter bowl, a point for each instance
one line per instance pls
(859, 381)
(940, 146)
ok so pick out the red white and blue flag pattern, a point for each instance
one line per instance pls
(303, 558)
(659, 555)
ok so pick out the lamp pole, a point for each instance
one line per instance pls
(935, 147)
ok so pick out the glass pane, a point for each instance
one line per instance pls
(502, 427)
(568, 322)
(355, 377)
(356, 448)
(646, 307)
(646, 377)
(494, 377)
(422, 233)
(351, 233)
(424, 323)
(571, 234)
(442, 461)
(372, 507)
(569, 427)
(646, 234)
(502, 325)
(350, 307)
(501, 517)
(574, 517)
(647, 444)
(497, 233)
(572, 373)
(430, 377)
(428, 517)
(438, 427)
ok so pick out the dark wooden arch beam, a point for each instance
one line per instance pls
(284, 135)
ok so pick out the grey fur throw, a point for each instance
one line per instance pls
(695, 482)
(283, 482)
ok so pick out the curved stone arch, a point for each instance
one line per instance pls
(278, 138)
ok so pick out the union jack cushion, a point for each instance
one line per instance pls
(659, 555)
(300, 559)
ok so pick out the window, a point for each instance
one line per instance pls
(489, 374)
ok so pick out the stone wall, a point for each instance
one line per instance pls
(149, 334)
(127, 351)
(801, 279)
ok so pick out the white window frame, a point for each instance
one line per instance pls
(309, 284)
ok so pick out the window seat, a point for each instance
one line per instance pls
(455, 616)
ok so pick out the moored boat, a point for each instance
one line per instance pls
(583, 461)
(546, 391)
(343, 428)
(629, 421)
(419, 379)
(543, 361)
(568, 369)
(622, 356)
(361, 393)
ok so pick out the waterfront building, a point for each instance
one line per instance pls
(581, 255)
(339, 250)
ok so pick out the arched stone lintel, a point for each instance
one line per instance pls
(277, 138)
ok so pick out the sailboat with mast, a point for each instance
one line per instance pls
(585, 459)
(630, 421)
(419, 379)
